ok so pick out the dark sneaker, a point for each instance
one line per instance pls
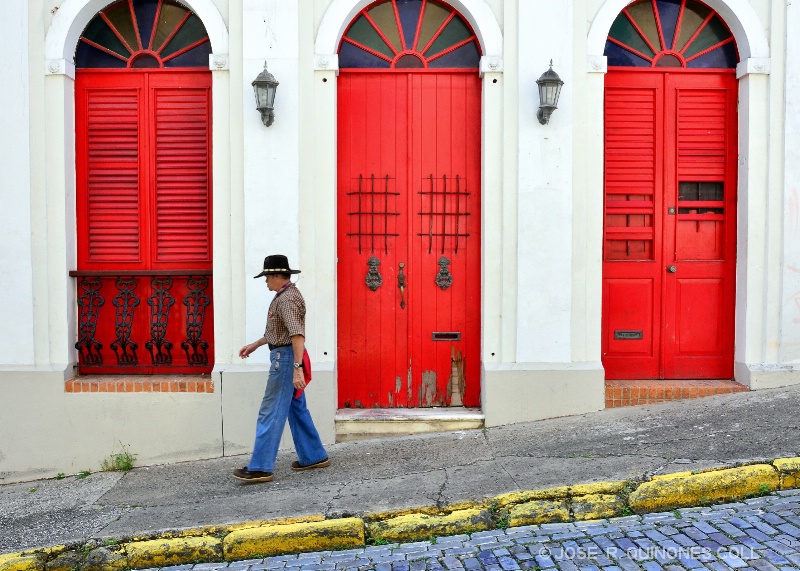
(254, 476)
(296, 466)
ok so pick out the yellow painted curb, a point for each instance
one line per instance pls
(505, 500)
(597, 506)
(165, 552)
(537, 512)
(414, 527)
(790, 472)
(300, 537)
(614, 487)
(687, 489)
(20, 562)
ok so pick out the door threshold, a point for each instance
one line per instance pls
(651, 391)
(365, 423)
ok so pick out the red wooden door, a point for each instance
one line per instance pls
(670, 225)
(409, 239)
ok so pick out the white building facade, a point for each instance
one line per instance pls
(539, 240)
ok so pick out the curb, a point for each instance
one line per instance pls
(260, 539)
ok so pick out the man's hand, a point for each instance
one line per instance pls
(298, 380)
(245, 351)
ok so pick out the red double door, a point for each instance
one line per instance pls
(670, 225)
(408, 289)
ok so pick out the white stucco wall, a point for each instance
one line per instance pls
(546, 191)
(16, 279)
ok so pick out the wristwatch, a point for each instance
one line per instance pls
(298, 365)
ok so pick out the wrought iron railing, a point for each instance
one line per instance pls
(119, 313)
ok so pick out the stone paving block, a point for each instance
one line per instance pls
(731, 560)
(721, 538)
(781, 548)
(544, 561)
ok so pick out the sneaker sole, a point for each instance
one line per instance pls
(254, 480)
(323, 464)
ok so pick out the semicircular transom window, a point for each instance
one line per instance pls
(144, 34)
(409, 34)
(670, 34)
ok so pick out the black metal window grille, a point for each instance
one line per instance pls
(447, 202)
(372, 211)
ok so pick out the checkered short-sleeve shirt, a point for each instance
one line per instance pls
(287, 317)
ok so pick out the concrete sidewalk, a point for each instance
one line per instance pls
(432, 484)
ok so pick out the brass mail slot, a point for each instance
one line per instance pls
(628, 334)
(446, 336)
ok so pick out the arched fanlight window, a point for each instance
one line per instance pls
(670, 33)
(407, 34)
(144, 34)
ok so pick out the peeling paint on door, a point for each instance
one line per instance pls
(429, 393)
(457, 383)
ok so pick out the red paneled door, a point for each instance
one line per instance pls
(409, 239)
(670, 224)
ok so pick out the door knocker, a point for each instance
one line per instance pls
(444, 278)
(374, 279)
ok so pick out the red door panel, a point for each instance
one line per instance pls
(445, 167)
(630, 338)
(687, 152)
(408, 214)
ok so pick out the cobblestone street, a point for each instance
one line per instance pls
(760, 533)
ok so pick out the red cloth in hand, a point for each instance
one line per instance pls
(306, 372)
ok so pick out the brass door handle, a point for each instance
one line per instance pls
(401, 283)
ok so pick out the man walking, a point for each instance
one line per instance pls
(285, 335)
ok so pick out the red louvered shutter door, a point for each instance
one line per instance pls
(109, 113)
(143, 144)
(181, 171)
(669, 255)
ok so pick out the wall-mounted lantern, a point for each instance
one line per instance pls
(265, 86)
(549, 90)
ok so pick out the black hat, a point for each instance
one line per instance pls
(276, 264)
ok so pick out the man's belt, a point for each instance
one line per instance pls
(271, 346)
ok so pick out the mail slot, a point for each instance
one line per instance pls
(628, 334)
(446, 336)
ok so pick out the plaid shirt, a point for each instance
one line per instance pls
(287, 317)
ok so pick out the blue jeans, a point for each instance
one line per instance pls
(276, 407)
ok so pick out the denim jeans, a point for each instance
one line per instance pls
(276, 407)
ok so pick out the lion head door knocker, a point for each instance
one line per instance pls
(444, 278)
(374, 279)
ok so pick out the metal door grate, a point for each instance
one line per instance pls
(372, 211)
(447, 211)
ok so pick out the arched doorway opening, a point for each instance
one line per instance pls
(143, 197)
(670, 193)
(408, 208)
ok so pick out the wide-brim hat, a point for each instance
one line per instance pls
(276, 264)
